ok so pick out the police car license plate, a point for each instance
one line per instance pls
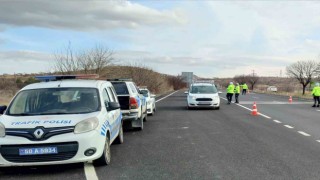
(37, 151)
(206, 103)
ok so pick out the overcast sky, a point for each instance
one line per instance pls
(209, 38)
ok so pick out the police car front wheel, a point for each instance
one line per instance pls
(105, 158)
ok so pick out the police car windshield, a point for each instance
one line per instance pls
(55, 101)
(203, 90)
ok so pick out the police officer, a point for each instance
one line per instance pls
(237, 92)
(244, 89)
(230, 91)
(316, 95)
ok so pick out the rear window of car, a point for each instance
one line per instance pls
(121, 88)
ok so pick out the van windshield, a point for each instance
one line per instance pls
(203, 90)
(55, 101)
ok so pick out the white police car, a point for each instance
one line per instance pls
(151, 101)
(203, 95)
(61, 121)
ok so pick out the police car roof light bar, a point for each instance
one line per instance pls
(120, 79)
(48, 78)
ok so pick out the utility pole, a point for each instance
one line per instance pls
(253, 73)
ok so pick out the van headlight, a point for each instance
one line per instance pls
(216, 98)
(2, 130)
(86, 125)
(192, 97)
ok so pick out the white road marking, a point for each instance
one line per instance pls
(185, 128)
(90, 171)
(318, 110)
(273, 102)
(264, 116)
(290, 127)
(165, 97)
(303, 133)
(244, 107)
(318, 141)
(277, 121)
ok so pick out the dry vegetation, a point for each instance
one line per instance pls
(156, 82)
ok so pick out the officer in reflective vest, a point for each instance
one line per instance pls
(237, 92)
(316, 95)
(244, 89)
(230, 91)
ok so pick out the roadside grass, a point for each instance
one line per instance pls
(287, 94)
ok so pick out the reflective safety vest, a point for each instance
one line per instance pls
(316, 91)
(230, 88)
(237, 90)
(244, 86)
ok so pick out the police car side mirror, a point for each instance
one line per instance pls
(153, 95)
(113, 106)
(219, 92)
(2, 109)
(186, 92)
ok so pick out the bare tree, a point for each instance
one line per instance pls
(304, 72)
(252, 80)
(100, 56)
(93, 60)
(65, 61)
(240, 79)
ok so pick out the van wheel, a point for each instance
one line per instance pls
(105, 158)
(141, 125)
(145, 116)
(119, 139)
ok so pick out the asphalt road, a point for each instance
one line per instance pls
(209, 144)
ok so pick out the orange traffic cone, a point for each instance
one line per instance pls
(254, 109)
(290, 99)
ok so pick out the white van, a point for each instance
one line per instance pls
(203, 95)
(60, 121)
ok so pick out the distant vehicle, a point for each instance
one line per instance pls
(151, 101)
(272, 89)
(133, 103)
(203, 95)
(59, 122)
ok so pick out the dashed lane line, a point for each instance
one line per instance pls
(263, 115)
(279, 122)
(288, 126)
(165, 96)
(303, 133)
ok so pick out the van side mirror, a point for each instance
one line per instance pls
(113, 106)
(2, 109)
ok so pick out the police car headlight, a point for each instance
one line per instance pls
(86, 125)
(2, 130)
(216, 98)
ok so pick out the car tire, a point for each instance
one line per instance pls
(105, 158)
(141, 127)
(145, 117)
(153, 110)
(119, 139)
